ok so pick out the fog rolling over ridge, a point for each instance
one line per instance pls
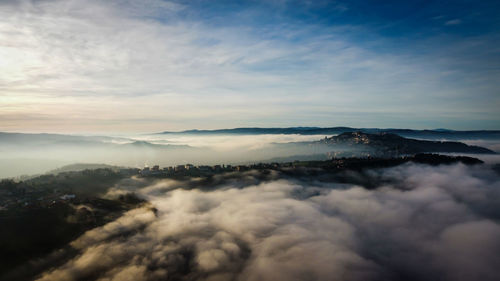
(345, 219)
(419, 223)
(25, 154)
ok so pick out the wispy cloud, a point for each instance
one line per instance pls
(121, 60)
(453, 22)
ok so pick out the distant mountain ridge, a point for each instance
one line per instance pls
(427, 134)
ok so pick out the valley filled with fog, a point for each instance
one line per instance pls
(369, 207)
(27, 154)
(417, 222)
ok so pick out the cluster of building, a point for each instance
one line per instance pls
(188, 169)
(203, 170)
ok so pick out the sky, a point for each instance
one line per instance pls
(130, 66)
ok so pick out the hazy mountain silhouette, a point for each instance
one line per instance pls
(426, 134)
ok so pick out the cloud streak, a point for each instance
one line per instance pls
(145, 66)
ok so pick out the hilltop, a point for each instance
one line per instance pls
(387, 144)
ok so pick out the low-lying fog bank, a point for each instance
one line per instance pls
(420, 223)
(30, 154)
(27, 154)
(491, 144)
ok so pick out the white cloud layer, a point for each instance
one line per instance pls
(428, 224)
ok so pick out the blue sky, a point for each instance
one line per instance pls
(141, 66)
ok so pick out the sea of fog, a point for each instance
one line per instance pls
(414, 222)
(26, 158)
(226, 142)
(37, 154)
(418, 223)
